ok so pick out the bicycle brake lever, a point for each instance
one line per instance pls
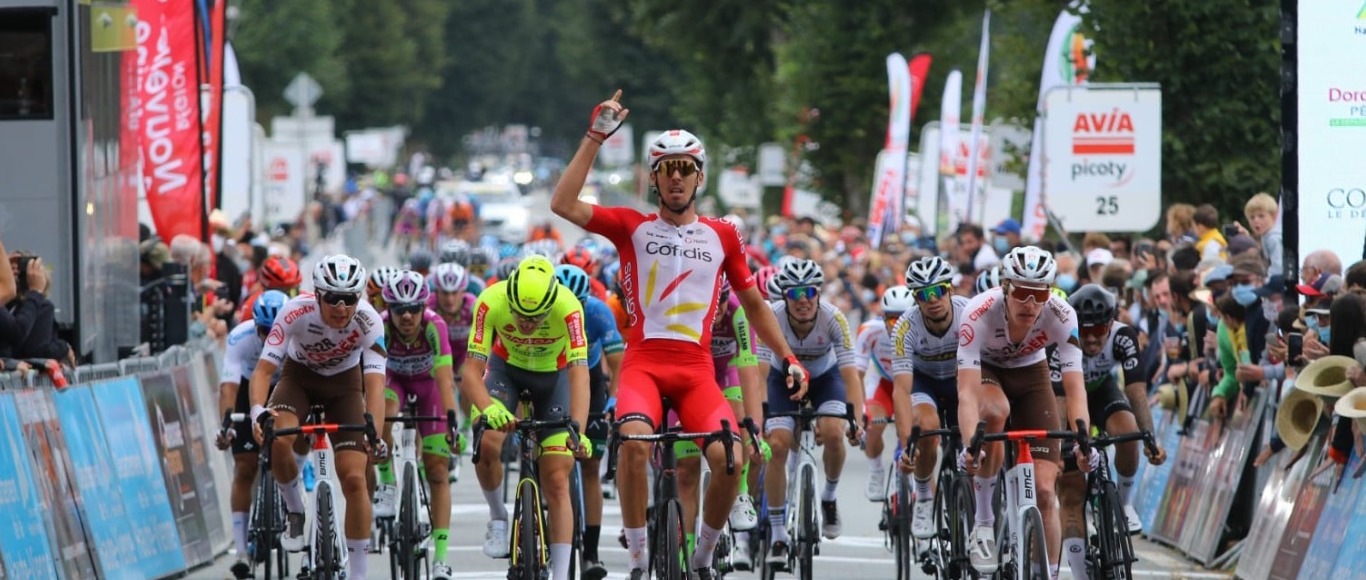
(727, 440)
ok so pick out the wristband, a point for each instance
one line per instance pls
(590, 138)
(256, 411)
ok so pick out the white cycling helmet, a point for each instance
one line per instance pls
(797, 273)
(1029, 264)
(929, 271)
(896, 300)
(988, 279)
(339, 273)
(677, 142)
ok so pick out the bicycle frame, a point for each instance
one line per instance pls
(940, 553)
(802, 457)
(401, 546)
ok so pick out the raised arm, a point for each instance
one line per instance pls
(607, 118)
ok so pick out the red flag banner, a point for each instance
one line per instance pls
(920, 70)
(213, 103)
(169, 118)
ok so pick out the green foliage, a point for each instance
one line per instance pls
(277, 40)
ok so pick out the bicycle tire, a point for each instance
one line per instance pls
(576, 498)
(1033, 547)
(529, 553)
(671, 545)
(962, 507)
(1116, 548)
(262, 520)
(326, 564)
(809, 532)
(901, 529)
(406, 538)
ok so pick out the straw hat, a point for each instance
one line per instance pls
(1353, 406)
(1297, 416)
(1174, 398)
(1327, 377)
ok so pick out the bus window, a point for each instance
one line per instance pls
(25, 64)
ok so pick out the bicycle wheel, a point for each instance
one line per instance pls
(961, 508)
(326, 562)
(670, 549)
(576, 498)
(407, 537)
(1033, 547)
(900, 528)
(1116, 549)
(809, 534)
(529, 551)
(263, 516)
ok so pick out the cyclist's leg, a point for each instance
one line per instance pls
(1110, 407)
(597, 431)
(994, 408)
(395, 391)
(925, 395)
(689, 457)
(1035, 407)
(549, 402)
(639, 409)
(701, 408)
(780, 440)
(244, 467)
(878, 395)
(436, 455)
(345, 404)
(489, 470)
(826, 393)
(290, 402)
(1071, 505)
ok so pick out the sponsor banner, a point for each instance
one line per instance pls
(877, 205)
(1271, 514)
(101, 501)
(1304, 518)
(171, 432)
(1325, 549)
(204, 379)
(949, 113)
(1332, 120)
(24, 542)
(979, 109)
(1152, 482)
(1103, 156)
(198, 445)
(168, 101)
(890, 178)
(1068, 61)
(1222, 451)
(1351, 561)
(51, 469)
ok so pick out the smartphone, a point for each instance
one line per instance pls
(1294, 346)
(1231, 230)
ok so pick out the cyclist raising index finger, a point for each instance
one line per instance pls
(1002, 372)
(672, 263)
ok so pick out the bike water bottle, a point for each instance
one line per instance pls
(310, 480)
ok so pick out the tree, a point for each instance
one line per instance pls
(277, 40)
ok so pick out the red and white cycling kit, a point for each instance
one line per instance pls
(873, 347)
(670, 277)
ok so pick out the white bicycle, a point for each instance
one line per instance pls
(1023, 553)
(325, 555)
(407, 537)
(803, 512)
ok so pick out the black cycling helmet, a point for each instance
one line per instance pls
(1094, 304)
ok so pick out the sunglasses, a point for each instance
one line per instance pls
(528, 320)
(401, 309)
(930, 293)
(339, 298)
(1025, 293)
(1098, 331)
(800, 292)
(683, 166)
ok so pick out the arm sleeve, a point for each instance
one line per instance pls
(375, 358)
(969, 346)
(233, 366)
(737, 270)
(901, 337)
(281, 332)
(844, 343)
(1126, 354)
(40, 331)
(1069, 350)
(481, 331)
(602, 326)
(440, 336)
(25, 315)
(1228, 385)
(577, 349)
(610, 222)
(744, 340)
(863, 349)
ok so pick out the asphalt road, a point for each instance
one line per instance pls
(860, 552)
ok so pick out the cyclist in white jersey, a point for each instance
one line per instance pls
(926, 371)
(329, 349)
(818, 334)
(1002, 373)
(671, 268)
(1108, 347)
(239, 360)
(873, 347)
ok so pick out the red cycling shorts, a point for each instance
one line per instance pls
(681, 371)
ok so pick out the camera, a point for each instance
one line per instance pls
(19, 263)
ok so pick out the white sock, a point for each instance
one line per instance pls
(875, 465)
(923, 490)
(497, 511)
(1126, 488)
(289, 492)
(984, 489)
(830, 486)
(358, 550)
(706, 544)
(239, 533)
(560, 555)
(1053, 571)
(636, 539)
(1074, 551)
(777, 523)
(300, 460)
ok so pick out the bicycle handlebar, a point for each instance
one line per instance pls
(806, 412)
(674, 435)
(529, 426)
(981, 436)
(1149, 442)
(270, 432)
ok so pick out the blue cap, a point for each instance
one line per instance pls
(1007, 226)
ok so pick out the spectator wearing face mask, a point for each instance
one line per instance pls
(1006, 236)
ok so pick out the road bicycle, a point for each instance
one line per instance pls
(803, 514)
(1110, 553)
(325, 554)
(266, 519)
(945, 554)
(1023, 550)
(408, 557)
(530, 553)
(668, 542)
(721, 556)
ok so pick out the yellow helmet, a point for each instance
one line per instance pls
(532, 288)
